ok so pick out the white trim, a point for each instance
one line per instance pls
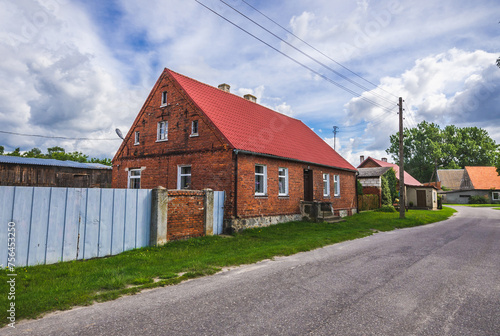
(326, 185)
(180, 176)
(264, 180)
(286, 181)
(497, 198)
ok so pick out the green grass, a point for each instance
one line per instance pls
(496, 208)
(473, 205)
(45, 288)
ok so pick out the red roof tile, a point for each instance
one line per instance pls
(251, 127)
(483, 177)
(409, 180)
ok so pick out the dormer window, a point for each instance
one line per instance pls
(194, 128)
(164, 101)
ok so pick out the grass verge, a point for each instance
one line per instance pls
(45, 288)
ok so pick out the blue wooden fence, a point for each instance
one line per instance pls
(61, 224)
(219, 197)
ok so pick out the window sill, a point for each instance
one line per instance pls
(164, 105)
(137, 144)
(194, 135)
(261, 196)
(284, 196)
(161, 140)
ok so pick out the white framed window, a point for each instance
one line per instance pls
(134, 178)
(183, 177)
(260, 180)
(136, 138)
(495, 196)
(336, 185)
(283, 181)
(164, 100)
(162, 131)
(194, 128)
(326, 185)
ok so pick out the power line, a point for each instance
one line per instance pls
(317, 50)
(296, 61)
(305, 54)
(56, 137)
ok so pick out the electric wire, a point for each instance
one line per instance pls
(56, 137)
(315, 49)
(307, 55)
(354, 93)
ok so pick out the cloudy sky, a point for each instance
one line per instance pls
(80, 69)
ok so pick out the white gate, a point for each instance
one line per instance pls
(219, 197)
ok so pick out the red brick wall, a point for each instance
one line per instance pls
(369, 164)
(250, 205)
(185, 214)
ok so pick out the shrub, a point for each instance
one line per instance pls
(440, 202)
(478, 200)
(386, 192)
(359, 186)
(386, 208)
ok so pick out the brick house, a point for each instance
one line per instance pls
(189, 135)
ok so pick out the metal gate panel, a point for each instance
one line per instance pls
(219, 197)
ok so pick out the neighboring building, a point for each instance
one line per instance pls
(476, 181)
(450, 178)
(22, 171)
(417, 194)
(189, 135)
(371, 180)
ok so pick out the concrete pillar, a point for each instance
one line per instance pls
(209, 212)
(159, 217)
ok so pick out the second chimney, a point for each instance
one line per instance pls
(250, 97)
(384, 159)
(224, 87)
(361, 158)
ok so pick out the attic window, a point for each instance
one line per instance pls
(194, 128)
(164, 101)
(136, 138)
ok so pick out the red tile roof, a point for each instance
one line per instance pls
(251, 127)
(483, 177)
(409, 180)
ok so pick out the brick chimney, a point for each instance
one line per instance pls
(361, 158)
(384, 159)
(250, 97)
(225, 87)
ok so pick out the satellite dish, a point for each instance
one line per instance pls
(119, 133)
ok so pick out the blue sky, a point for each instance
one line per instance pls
(83, 68)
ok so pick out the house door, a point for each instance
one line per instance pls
(421, 199)
(308, 185)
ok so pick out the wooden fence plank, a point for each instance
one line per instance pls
(119, 213)
(71, 224)
(22, 217)
(55, 232)
(82, 223)
(6, 202)
(39, 225)
(130, 219)
(92, 222)
(106, 225)
(143, 218)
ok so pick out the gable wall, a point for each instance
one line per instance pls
(369, 164)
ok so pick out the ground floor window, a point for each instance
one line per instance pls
(134, 178)
(326, 185)
(260, 180)
(283, 181)
(495, 196)
(336, 185)
(184, 177)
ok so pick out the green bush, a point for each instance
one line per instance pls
(386, 192)
(478, 200)
(440, 202)
(386, 208)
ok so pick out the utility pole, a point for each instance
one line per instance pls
(335, 130)
(402, 196)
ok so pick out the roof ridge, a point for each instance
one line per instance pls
(231, 93)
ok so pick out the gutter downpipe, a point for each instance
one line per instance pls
(235, 183)
(356, 188)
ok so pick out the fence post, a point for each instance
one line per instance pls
(209, 211)
(159, 216)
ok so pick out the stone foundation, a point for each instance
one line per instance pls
(239, 224)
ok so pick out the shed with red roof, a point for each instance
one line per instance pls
(190, 135)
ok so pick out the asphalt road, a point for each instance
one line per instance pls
(438, 279)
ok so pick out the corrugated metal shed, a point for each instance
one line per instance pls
(50, 162)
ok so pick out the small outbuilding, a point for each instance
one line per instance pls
(34, 172)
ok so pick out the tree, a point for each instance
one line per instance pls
(57, 153)
(392, 181)
(34, 153)
(1, 150)
(359, 186)
(428, 147)
(386, 192)
(15, 152)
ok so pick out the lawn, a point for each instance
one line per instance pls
(45, 288)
